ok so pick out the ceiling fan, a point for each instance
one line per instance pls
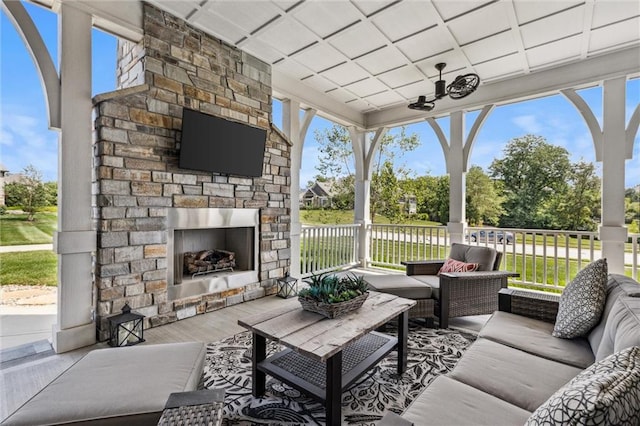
(463, 85)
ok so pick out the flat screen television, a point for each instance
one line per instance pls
(213, 144)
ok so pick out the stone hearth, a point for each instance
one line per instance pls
(138, 183)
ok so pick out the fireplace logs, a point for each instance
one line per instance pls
(207, 261)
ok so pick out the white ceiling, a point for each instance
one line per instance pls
(363, 61)
(371, 55)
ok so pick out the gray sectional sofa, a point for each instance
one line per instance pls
(515, 365)
(116, 386)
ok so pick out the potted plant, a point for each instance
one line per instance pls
(333, 296)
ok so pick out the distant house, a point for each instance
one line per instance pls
(3, 174)
(318, 195)
(409, 204)
(5, 178)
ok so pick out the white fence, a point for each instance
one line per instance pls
(545, 259)
(327, 248)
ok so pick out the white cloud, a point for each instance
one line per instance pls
(528, 123)
(27, 140)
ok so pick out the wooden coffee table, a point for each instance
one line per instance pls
(325, 356)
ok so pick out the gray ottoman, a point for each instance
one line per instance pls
(409, 288)
(116, 386)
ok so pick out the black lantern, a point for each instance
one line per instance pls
(126, 328)
(287, 286)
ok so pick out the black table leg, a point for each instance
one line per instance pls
(333, 396)
(258, 354)
(403, 331)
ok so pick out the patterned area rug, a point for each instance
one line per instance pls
(431, 353)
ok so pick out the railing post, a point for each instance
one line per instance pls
(364, 243)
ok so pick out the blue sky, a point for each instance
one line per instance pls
(25, 138)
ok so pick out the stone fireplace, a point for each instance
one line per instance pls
(149, 212)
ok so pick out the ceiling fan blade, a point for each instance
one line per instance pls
(463, 85)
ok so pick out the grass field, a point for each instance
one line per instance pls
(29, 268)
(345, 217)
(16, 230)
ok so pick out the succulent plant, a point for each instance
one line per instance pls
(329, 288)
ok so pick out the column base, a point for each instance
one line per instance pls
(73, 338)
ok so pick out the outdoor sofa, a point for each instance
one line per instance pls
(116, 386)
(516, 365)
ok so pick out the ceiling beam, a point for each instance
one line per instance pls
(285, 87)
(622, 63)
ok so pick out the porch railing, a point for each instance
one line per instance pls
(391, 244)
(544, 259)
(327, 248)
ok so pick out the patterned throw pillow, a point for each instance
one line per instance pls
(452, 265)
(606, 393)
(582, 301)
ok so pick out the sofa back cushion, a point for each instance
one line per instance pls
(618, 286)
(487, 258)
(622, 329)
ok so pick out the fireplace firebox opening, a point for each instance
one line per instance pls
(211, 250)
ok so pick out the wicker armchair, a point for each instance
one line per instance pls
(460, 294)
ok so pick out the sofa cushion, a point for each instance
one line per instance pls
(622, 328)
(452, 265)
(399, 285)
(510, 374)
(485, 257)
(617, 286)
(582, 301)
(534, 336)
(432, 281)
(607, 393)
(449, 402)
(116, 386)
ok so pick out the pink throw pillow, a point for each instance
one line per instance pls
(452, 265)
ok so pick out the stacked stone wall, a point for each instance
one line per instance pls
(137, 178)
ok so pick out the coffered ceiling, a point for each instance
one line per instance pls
(365, 60)
(372, 55)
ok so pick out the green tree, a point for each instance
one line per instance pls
(578, 208)
(484, 205)
(531, 171)
(389, 192)
(51, 193)
(28, 193)
(441, 200)
(336, 161)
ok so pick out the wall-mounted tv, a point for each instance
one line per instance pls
(213, 144)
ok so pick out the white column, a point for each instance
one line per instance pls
(456, 166)
(75, 240)
(363, 151)
(362, 202)
(613, 233)
(296, 132)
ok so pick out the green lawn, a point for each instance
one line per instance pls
(345, 217)
(16, 230)
(29, 268)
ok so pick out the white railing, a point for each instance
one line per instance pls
(392, 244)
(635, 257)
(545, 259)
(327, 248)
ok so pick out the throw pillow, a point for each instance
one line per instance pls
(582, 301)
(606, 393)
(452, 265)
